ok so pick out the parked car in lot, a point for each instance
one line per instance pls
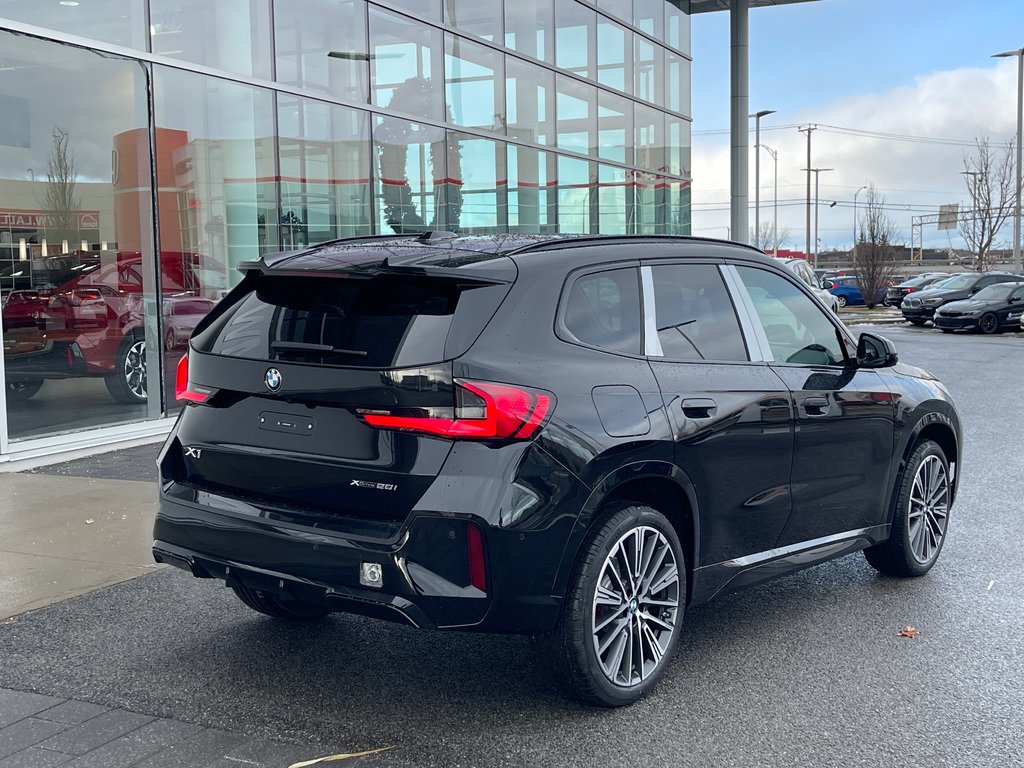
(895, 294)
(996, 308)
(920, 307)
(803, 270)
(21, 309)
(847, 291)
(574, 438)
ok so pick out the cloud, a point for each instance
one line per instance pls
(956, 104)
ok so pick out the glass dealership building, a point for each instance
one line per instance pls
(149, 146)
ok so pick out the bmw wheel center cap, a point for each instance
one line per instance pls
(273, 379)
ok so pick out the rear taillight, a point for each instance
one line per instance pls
(483, 411)
(909, 290)
(183, 388)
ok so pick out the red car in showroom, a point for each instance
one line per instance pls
(91, 323)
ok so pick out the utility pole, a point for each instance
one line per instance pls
(1019, 54)
(853, 249)
(775, 202)
(808, 130)
(815, 171)
(757, 172)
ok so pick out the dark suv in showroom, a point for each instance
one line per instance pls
(573, 438)
(920, 307)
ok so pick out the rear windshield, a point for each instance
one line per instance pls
(381, 322)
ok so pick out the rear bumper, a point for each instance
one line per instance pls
(425, 583)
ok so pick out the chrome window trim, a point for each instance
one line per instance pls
(652, 343)
(753, 332)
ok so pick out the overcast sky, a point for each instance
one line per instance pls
(918, 68)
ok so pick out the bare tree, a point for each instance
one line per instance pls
(873, 255)
(989, 175)
(765, 239)
(59, 201)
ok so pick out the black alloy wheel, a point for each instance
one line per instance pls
(989, 323)
(623, 611)
(128, 382)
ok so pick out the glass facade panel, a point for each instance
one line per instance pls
(532, 200)
(77, 268)
(233, 35)
(529, 26)
(678, 145)
(405, 65)
(481, 205)
(621, 8)
(677, 27)
(614, 127)
(475, 17)
(325, 172)
(577, 206)
(577, 110)
(530, 99)
(321, 45)
(649, 217)
(423, 9)
(649, 71)
(649, 15)
(122, 22)
(413, 176)
(677, 83)
(650, 137)
(614, 55)
(615, 201)
(677, 208)
(575, 45)
(474, 85)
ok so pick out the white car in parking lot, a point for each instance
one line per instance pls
(803, 270)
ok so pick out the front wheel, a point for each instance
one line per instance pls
(19, 391)
(841, 301)
(989, 323)
(623, 610)
(921, 516)
(127, 384)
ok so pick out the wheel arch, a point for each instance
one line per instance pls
(660, 485)
(940, 429)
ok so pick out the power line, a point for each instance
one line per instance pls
(865, 133)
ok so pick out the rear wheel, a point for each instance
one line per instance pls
(989, 323)
(291, 610)
(921, 516)
(623, 610)
(23, 390)
(841, 301)
(128, 382)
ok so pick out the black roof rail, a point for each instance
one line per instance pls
(571, 241)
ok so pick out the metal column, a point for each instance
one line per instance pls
(740, 106)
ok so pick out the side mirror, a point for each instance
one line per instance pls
(875, 352)
(828, 285)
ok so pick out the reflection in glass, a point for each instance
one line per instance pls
(228, 34)
(575, 43)
(531, 190)
(484, 206)
(649, 213)
(615, 201)
(621, 8)
(424, 9)
(325, 172)
(677, 23)
(614, 127)
(614, 55)
(77, 267)
(406, 65)
(528, 28)
(677, 208)
(577, 207)
(649, 15)
(677, 83)
(577, 110)
(650, 137)
(530, 99)
(475, 17)
(420, 177)
(321, 45)
(473, 85)
(678, 145)
(122, 22)
(649, 69)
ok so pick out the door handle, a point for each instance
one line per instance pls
(699, 407)
(816, 406)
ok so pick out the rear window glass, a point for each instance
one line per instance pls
(382, 322)
(603, 310)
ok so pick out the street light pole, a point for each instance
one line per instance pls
(853, 250)
(816, 171)
(1019, 53)
(775, 201)
(757, 171)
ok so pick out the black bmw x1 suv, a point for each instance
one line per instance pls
(571, 438)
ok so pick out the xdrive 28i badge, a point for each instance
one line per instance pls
(273, 379)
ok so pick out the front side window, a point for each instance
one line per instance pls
(798, 330)
(603, 310)
(694, 315)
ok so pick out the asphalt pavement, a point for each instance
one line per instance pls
(808, 670)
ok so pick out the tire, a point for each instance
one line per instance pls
(918, 322)
(623, 621)
(841, 301)
(19, 391)
(128, 382)
(918, 529)
(271, 606)
(989, 323)
(886, 302)
(946, 330)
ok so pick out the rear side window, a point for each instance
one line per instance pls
(694, 314)
(381, 322)
(603, 310)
